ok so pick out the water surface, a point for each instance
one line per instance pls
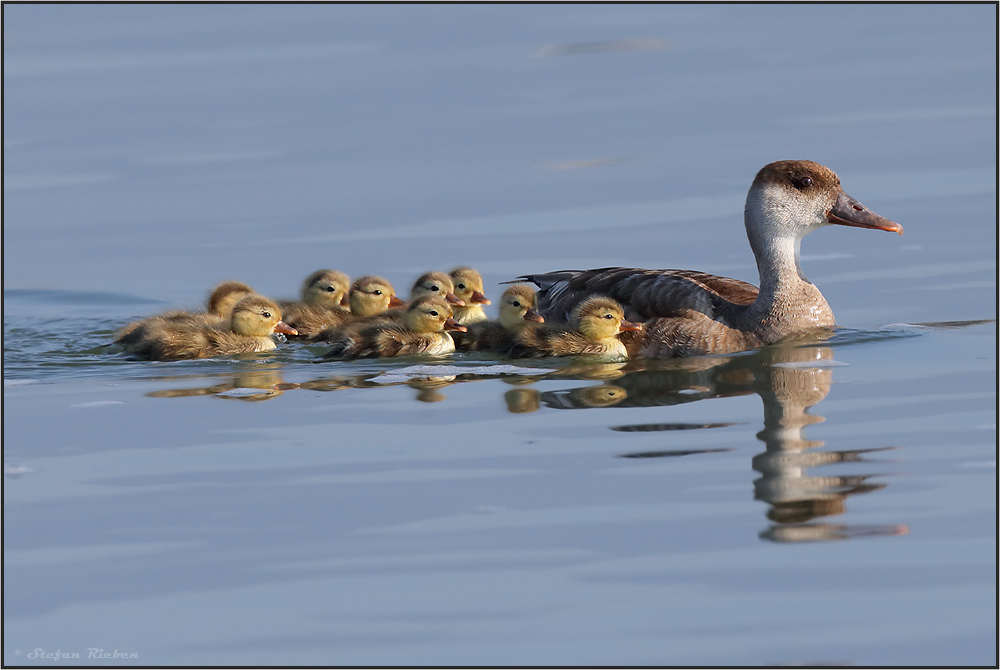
(817, 502)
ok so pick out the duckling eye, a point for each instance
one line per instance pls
(376, 292)
(266, 315)
(609, 316)
(802, 183)
(433, 312)
(330, 289)
(435, 288)
(461, 286)
(516, 303)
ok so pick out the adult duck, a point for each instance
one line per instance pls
(689, 313)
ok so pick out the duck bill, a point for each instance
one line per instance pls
(282, 327)
(345, 301)
(451, 324)
(847, 211)
(629, 325)
(396, 302)
(454, 299)
(532, 315)
(479, 299)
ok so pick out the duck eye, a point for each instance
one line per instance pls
(433, 312)
(609, 316)
(330, 289)
(266, 315)
(802, 183)
(435, 288)
(461, 286)
(377, 292)
(516, 303)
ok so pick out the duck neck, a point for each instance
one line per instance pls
(787, 302)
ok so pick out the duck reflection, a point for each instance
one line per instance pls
(790, 379)
(249, 385)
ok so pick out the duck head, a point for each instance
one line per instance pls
(372, 295)
(517, 307)
(791, 198)
(468, 286)
(327, 288)
(256, 316)
(601, 318)
(431, 314)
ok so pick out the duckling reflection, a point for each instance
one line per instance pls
(790, 380)
(522, 401)
(249, 385)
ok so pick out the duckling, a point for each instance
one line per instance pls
(517, 312)
(220, 307)
(370, 296)
(225, 296)
(598, 321)
(249, 329)
(424, 332)
(428, 284)
(323, 305)
(469, 289)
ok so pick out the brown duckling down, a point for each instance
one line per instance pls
(254, 319)
(369, 296)
(424, 331)
(324, 303)
(220, 305)
(517, 311)
(598, 321)
(469, 289)
(432, 284)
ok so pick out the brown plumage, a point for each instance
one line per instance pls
(433, 284)
(249, 329)
(220, 306)
(369, 296)
(597, 320)
(324, 304)
(690, 313)
(517, 311)
(423, 332)
(469, 289)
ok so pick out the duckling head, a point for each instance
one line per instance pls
(517, 307)
(225, 296)
(327, 288)
(601, 318)
(431, 314)
(436, 284)
(468, 286)
(371, 295)
(257, 316)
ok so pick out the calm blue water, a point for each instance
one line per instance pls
(817, 503)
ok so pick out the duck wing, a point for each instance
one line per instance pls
(645, 294)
